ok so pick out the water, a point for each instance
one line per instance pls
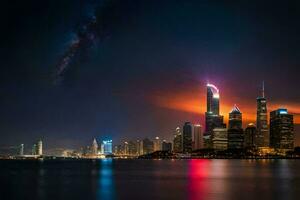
(150, 179)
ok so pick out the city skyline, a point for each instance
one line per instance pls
(213, 125)
(129, 68)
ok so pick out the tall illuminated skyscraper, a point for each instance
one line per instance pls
(262, 139)
(213, 119)
(281, 130)
(213, 99)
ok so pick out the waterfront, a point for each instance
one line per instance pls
(150, 179)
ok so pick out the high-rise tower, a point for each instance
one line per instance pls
(262, 139)
(213, 119)
(187, 137)
(213, 99)
(281, 130)
(235, 130)
(95, 147)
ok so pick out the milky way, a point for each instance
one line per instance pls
(97, 25)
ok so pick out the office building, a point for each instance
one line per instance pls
(281, 130)
(139, 147)
(262, 139)
(220, 139)
(126, 148)
(132, 148)
(148, 146)
(213, 119)
(39, 148)
(187, 138)
(33, 150)
(166, 146)
(21, 150)
(107, 147)
(198, 137)
(157, 144)
(249, 136)
(235, 130)
(94, 147)
(177, 142)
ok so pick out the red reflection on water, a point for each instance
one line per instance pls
(198, 173)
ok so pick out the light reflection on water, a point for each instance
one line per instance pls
(106, 187)
(150, 179)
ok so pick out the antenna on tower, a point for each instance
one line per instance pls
(263, 89)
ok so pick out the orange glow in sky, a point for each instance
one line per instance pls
(195, 102)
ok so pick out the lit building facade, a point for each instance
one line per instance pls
(262, 139)
(187, 138)
(139, 147)
(157, 144)
(220, 139)
(177, 142)
(281, 130)
(249, 136)
(107, 147)
(235, 130)
(213, 119)
(95, 147)
(198, 137)
(21, 151)
(37, 148)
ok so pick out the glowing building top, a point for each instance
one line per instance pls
(214, 90)
(212, 99)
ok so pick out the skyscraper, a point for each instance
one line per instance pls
(21, 152)
(235, 130)
(33, 150)
(177, 142)
(126, 148)
(107, 147)
(139, 147)
(95, 147)
(262, 139)
(249, 136)
(213, 119)
(166, 146)
(187, 137)
(148, 146)
(132, 148)
(157, 144)
(212, 99)
(281, 130)
(198, 137)
(39, 148)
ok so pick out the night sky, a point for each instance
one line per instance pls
(73, 70)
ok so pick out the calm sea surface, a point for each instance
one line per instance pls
(150, 179)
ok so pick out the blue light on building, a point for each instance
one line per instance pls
(282, 111)
(107, 146)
